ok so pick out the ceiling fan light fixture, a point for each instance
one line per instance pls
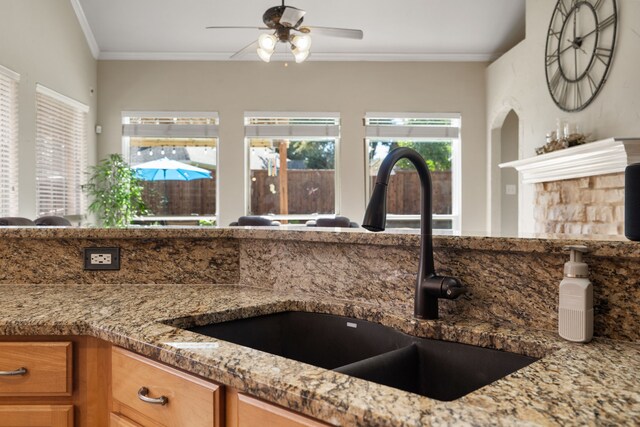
(301, 41)
(264, 55)
(299, 54)
(267, 42)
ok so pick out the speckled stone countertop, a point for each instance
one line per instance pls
(573, 384)
(612, 246)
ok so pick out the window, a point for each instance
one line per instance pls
(61, 146)
(8, 142)
(437, 138)
(292, 164)
(188, 138)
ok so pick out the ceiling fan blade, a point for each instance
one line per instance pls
(251, 46)
(348, 33)
(215, 27)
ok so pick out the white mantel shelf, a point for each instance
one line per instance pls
(594, 158)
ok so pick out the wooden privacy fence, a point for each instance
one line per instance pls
(310, 191)
(403, 195)
(181, 198)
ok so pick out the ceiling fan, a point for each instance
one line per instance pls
(285, 22)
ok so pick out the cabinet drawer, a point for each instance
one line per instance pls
(35, 369)
(36, 415)
(246, 411)
(118, 421)
(190, 401)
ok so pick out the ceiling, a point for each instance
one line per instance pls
(400, 30)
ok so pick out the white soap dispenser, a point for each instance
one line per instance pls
(575, 310)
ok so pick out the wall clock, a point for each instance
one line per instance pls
(580, 46)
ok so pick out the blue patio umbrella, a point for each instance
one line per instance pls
(169, 170)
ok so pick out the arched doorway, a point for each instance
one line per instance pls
(509, 176)
(503, 183)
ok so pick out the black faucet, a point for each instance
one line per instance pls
(429, 286)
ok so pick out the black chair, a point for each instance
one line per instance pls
(255, 221)
(338, 221)
(53, 221)
(15, 220)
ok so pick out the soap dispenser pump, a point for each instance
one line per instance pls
(575, 311)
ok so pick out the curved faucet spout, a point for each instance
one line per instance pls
(429, 286)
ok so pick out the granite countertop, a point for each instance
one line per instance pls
(597, 383)
(604, 246)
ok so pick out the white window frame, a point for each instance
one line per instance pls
(422, 134)
(9, 128)
(310, 131)
(71, 200)
(173, 131)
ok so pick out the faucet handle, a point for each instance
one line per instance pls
(452, 288)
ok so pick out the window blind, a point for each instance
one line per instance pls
(61, 139)
(292, 125)
(170, 124)
(8, 142)
(412, 126)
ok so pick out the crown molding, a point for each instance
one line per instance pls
(86, 29)
(284, 57)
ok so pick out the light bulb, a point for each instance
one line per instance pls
(301, 41)
(267, 42)
(264, 55)
(139, 153)
(162, 152)
(300, 55)
(151, 152)
(173, 151)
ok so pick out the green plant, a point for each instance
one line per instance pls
(116, 192)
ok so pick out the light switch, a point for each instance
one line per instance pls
(510, 190)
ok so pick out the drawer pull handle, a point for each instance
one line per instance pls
(143, 394)
(19, 371)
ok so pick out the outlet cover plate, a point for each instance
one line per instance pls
(97, 258)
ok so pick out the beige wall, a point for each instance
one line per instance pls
(517, 81)
(43, 42)
(352, 88)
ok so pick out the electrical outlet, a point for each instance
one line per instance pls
(102, 258)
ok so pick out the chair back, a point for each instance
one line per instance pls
(53, 221)
(15, 220)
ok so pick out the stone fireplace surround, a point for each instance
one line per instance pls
(580, 190)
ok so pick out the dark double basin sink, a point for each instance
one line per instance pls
(436, 369)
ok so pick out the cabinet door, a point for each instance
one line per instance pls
(35, 369)
(139, 387)
(36, 415)
(246, 411)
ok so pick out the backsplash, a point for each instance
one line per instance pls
(510, 280)
(143, 261)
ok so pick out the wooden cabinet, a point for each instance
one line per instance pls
(153, 394)
(247, 411)
(86, 382)
(35, 369)
(65, 383)
(36, 415)
(34, 377)
(118, 421)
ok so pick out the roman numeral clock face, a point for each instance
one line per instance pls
(580, 45)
